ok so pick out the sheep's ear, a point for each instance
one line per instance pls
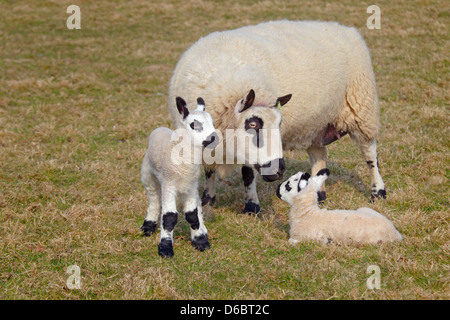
(200, 104)
(181, 106)
(247, 102)
(281, 101)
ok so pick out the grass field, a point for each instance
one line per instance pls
(76, 109)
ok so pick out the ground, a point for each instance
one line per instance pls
(76, 109)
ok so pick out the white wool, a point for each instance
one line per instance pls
(326, 66)
(309, 222)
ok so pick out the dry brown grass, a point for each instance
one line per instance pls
(76, 108)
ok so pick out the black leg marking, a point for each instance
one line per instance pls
(251, 208)
(321, 196)
(378, 194)
(201, 242)
(247, 175)
(169, 220)
(148, 227)
(370, 164)
(206, 198)
(208, 173)
(165, 248)
(192, 219)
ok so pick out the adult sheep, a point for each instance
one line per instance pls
(327, 68)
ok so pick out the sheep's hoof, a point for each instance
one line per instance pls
(321, 196)
(148, 227)
(251, 208)
(165, 248)
(378, 194)
(201, 242)
(206, 198)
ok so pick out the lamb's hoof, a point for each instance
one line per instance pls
(165, 248)
(148, 227)
(251, 208)
(201, 242)
(378, 194)
(321, 196)
(207, 199)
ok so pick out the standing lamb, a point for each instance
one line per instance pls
(167, 179)
(309, 222)
(326, 66)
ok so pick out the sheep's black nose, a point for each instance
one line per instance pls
(211, 141)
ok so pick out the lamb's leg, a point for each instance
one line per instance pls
(251, 195)
(209, 193)
(153, 189)
(317, 158)
(194, 216)
(168, 221)
(369, 151)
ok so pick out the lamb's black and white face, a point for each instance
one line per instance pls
(289, 189)
(198, 124)
(260, 125)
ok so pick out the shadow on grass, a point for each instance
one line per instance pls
(230, 190)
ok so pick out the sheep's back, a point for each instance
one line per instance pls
(312, 60)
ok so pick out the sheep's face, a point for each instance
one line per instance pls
(258, 128)
(289, 189)
(198, 124)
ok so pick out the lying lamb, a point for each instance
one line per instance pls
(167, 181)
(309, 222)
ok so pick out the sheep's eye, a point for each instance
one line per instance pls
(196, 125)
(253, 125)
(288, 186)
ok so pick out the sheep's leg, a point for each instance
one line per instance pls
(251, 195)
(153, 211)
(369, 151)
(317, 158)
(209, 193)
(153, 189)
(169, 219)
(194, 216)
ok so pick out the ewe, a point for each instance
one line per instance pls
(309, 222)
(325, 66)
(168, 176)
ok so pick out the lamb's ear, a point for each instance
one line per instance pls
(200, 104)
(181, 106)
(303, 181)
(247, 102)
(281, 101)
(324, 171)
(305, 176)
